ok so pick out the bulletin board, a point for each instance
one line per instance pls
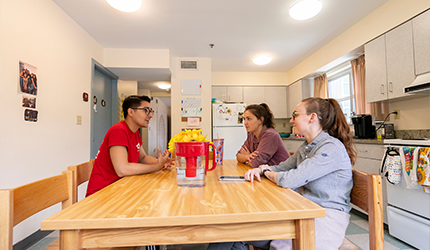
(191, 107)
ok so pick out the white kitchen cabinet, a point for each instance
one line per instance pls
(254, 95)
(390, 64)
(298, 91)
(369, 158)
(421, 34)
(376, 70)
(400, 60)
(292, 145)
(276, 98)
(228, 93)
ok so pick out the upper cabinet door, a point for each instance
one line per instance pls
(254, 95)
(421, 32)
(376, 70)
(295, 96)
(400, 59)
(276, 98)
(219, 92)
(235, 94)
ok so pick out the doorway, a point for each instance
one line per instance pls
(104, 104)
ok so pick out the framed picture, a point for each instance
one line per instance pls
(27, 78)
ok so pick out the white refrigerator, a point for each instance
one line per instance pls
(227, 124)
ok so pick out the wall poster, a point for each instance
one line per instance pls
(27, 78)
(191, 107)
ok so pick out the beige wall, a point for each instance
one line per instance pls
(40, 33)
(204, 74)
(386, 17)
(249, 78)
(137, 58)
(414, 112)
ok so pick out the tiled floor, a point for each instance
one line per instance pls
(357, 233)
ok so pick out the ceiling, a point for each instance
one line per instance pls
(239, 29)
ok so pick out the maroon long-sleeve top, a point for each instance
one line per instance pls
(271, 149)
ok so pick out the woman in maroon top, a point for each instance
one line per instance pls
(264, 144)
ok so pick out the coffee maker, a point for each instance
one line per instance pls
(363, 127)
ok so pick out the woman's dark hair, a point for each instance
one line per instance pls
(133, 101)
(332, 121)
(262, 110)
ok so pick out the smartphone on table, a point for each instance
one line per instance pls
(231, 178)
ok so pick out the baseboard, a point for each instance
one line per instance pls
(364, 216)
(31, 239)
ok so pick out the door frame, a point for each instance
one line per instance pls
(96, 66)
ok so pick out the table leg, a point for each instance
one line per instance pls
(70, 240)
(305, 235)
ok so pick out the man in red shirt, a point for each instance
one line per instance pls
(121, 153)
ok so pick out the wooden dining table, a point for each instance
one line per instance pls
(151, 209)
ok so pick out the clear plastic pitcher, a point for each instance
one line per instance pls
(192, 162)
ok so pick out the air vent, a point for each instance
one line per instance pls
(189, 65)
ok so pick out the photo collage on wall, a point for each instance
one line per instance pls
(28, 87)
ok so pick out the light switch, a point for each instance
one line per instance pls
(79, 120)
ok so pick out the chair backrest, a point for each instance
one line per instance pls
(367, 195)
(19, 203)
(81, 174)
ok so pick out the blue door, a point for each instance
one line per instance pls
(104, 103)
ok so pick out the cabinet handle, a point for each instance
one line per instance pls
(390, 87)
(382, 89)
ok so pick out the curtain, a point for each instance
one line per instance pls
(321, 86)
(379, 110)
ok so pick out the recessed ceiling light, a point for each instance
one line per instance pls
(261, 60)
(305, 9)
(125, 5)
(164, 86)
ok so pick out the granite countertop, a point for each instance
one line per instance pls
(361, 141)
(399, 134)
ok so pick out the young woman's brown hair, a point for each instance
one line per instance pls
(332, 121)
(262, 110)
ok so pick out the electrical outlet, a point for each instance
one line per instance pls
(284, 124)
(397, 116)
(79, 120)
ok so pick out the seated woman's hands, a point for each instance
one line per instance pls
(249, 156)
(255, 173)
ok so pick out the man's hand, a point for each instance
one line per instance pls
(163, 159)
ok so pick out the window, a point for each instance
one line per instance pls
(340, 87)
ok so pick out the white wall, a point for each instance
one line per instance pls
(40, 33)
(414, 112)
(203, 73)
(249, 78)
(137, 58)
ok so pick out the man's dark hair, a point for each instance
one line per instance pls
(133, 101)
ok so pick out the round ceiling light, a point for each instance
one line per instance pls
(164, 86)
(125, 5)
(262, 60)
(305, 9)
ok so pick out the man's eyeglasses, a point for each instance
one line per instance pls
(146, 109)
(294, 115)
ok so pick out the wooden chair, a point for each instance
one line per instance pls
(367, 195)
(19, 203)
(81, 174)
